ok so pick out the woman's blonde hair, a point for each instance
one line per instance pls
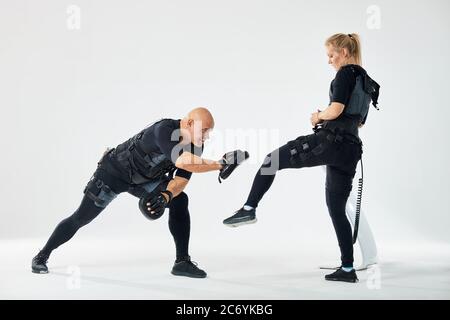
(349, 41)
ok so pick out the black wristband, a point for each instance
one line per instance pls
(170, 194)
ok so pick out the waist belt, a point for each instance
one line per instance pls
(339, 135)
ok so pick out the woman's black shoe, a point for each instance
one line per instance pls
(341, 275)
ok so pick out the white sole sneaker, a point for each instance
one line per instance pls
(39, 272)
(237, 224)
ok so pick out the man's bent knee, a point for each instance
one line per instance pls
(181, 200)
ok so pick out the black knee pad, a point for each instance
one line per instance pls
(99, 192)
(179, 211)
(180, 201)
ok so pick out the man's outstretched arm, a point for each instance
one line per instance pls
(192, 163)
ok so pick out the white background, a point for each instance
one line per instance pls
(67, 94)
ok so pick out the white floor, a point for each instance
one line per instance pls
(133, 269)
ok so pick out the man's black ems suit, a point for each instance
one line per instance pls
(143, 167)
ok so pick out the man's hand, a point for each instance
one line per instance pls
(153, 206)
(315, 118)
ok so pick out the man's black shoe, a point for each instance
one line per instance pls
(39, 263)
(187, 268)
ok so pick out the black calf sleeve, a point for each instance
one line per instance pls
(180, 224)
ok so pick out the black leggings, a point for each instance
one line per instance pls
(317, 149)
(179, 219)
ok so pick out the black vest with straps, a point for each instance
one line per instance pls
(357, 109)
(142, 166)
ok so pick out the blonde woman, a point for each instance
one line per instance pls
(334, 143)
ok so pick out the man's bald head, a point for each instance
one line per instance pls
(203, 115)
(197, 125)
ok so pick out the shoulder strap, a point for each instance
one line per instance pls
(373, 89)
(370, 86)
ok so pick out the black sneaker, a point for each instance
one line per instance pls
(39, 263)
(187, 268)
(241, 217)
(341, 275)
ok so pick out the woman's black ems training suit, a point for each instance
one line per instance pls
(336, 144)
(125, 169)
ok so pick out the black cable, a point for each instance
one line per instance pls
(358, 204)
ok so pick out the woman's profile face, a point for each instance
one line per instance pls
(336, 57)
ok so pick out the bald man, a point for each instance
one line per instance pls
(155, 165)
